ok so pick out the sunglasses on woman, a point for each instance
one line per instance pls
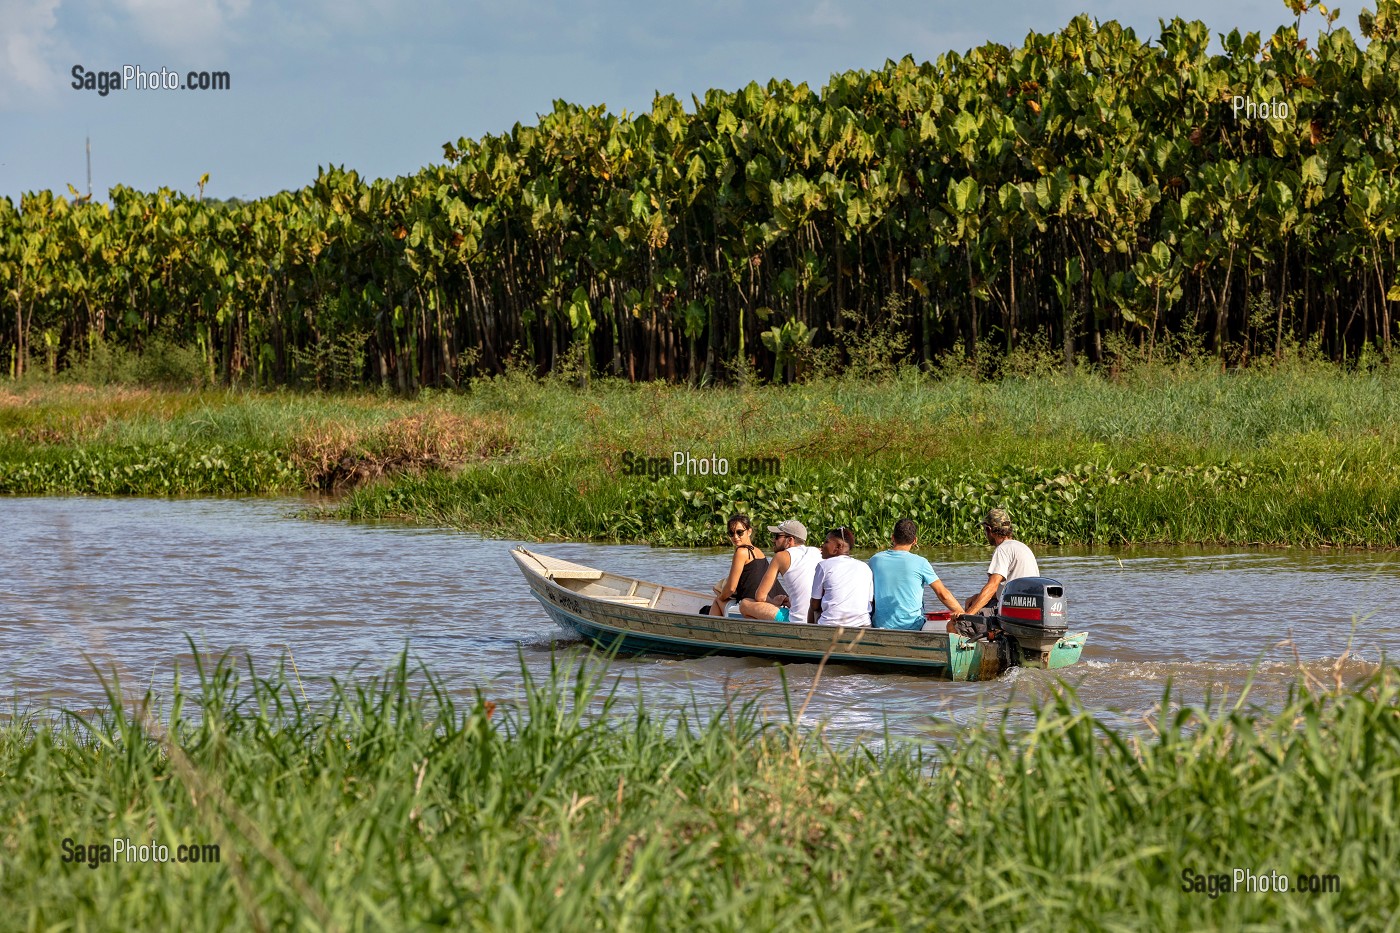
(844, 533)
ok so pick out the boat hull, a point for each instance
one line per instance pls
(632, 624)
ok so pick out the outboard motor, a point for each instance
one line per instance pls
(1033, 612)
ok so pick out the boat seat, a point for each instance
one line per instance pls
(628, 600)
(576, 574)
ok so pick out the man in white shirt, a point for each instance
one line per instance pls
(1010, 561)
(843, 588)
(794, 563)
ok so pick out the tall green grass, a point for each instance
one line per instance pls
(396, 802)
(1186, 454)
(1194, 404)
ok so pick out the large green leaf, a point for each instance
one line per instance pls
(1315, 170)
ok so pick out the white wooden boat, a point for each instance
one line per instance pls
(632, 616)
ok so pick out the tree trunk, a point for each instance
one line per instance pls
(1222, 306)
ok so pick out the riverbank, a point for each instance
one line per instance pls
(398, 805)
(1187, 454)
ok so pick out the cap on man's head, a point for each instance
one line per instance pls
(999, 521)
(790, 527)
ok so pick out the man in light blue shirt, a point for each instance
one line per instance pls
(900, 577)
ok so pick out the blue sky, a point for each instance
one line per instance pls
(380, 86)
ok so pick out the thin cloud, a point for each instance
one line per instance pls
(184, 25)
(28, 52)
(829, 15)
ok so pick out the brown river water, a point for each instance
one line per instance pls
(119, 584)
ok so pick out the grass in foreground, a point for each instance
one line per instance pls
(1296, 456)
(391, 805)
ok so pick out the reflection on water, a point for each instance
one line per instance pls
(120, 584)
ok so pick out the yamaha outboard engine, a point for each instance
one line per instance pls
(1033, 612)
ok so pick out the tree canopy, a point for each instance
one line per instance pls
(1084, 185)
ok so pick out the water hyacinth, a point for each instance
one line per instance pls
(1222, 503)
(169, 469)
(1159, 455)
(1053, 506)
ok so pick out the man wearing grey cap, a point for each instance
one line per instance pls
(1010, 561)
(795, 563)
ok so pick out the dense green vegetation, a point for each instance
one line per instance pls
(165, 470)
(1298, 456)
(1088, 188)
(395, 805)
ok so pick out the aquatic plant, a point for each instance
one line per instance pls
(163, 470)
(1296, 456)
(1052, 505)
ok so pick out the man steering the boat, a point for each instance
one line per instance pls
(795, 563)
(1011, 560)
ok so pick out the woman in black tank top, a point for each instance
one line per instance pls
(745, 570)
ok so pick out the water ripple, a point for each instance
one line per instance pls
(125, 585)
